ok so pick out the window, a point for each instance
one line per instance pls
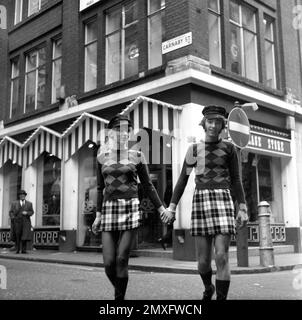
(15, 87)
(122, 49)
(90, 55)
(214, 32)
(35, 80)
(18, 10)
(35, 6)
(156, 31)
(269, 43)
(56, 70)
(51, 190)
(243, 42)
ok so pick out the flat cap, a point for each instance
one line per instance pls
(116, 120)
(214, 111)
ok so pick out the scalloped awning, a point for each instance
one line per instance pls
(10, 149)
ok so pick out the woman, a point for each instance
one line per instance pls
(213, 219)
(118, 216)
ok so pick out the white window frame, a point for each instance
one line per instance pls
(243, 56)
(272, 42)
(36, 70)
(218, 15)
(13, 78)
(86, 45)
(151, 15)
(18, 15)
(54, 59)
(29, 13)
(122, 32)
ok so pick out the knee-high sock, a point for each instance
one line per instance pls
(120, 288)
(111, 274)
(206, 278)
(222, 289)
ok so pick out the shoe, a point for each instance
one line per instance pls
(208, 293)
(17, 251)
(161, 241)
(23, 251)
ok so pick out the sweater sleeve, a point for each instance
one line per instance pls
(100, 187)
(188, 164)
(144, 177)
(235, 176)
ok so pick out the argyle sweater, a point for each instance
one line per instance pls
(117, 177)
(216, 167)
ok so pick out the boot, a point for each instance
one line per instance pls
(209, 287)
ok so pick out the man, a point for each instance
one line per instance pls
(20, 213)
(213, 216)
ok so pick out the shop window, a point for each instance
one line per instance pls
(156, 31)
(243, 42)
(90, 55)
(56, 70)
(15, 88)
(122, 50)
(269, 43)
(50, 172)
(261, 178)
(35, 80)
(87, 195)
(214, 32)
(18, 10)
(12, 175)
(35, 6)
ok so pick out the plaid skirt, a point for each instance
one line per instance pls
(120, 214)
(212, 213)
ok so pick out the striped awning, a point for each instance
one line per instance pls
(85, 128)
(10, 149)
(153, 114)
(42, 139)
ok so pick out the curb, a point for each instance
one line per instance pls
(148, 268)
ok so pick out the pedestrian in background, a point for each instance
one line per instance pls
(20, 212)
(118, 216)
(213, 215)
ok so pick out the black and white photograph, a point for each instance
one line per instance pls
(151, 156)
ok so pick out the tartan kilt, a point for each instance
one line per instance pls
(212, 212)
(120, 214)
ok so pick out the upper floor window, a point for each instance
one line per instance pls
(122, 50)
(243, 42)
(15, 88)
(35, 6)
(18, 11)
(214, 32)
(156, 32)
(56, 70)
(90, 55)
(269, 43)
(35, 80)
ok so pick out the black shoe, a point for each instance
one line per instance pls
(208, 293)
(23, 251)
(17, 251)
(161, 241)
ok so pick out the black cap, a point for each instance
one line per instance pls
(22, 192)
(116, 120)
(214, 111)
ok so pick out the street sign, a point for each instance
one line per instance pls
(239, 127)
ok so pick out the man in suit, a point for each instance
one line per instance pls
(20, 213)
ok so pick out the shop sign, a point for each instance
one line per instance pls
(277, 232)
(87, 3)
(269, 143)
(4, 236)
(176, 43)
(46, 237)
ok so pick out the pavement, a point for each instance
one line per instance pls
(156, 261)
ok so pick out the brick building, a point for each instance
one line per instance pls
(67, 66)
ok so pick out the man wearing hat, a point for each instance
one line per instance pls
(20, 212)
(213, 216)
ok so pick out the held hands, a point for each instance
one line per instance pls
(242, 216)
(24, 213)
(168, 216)
(96, 223)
